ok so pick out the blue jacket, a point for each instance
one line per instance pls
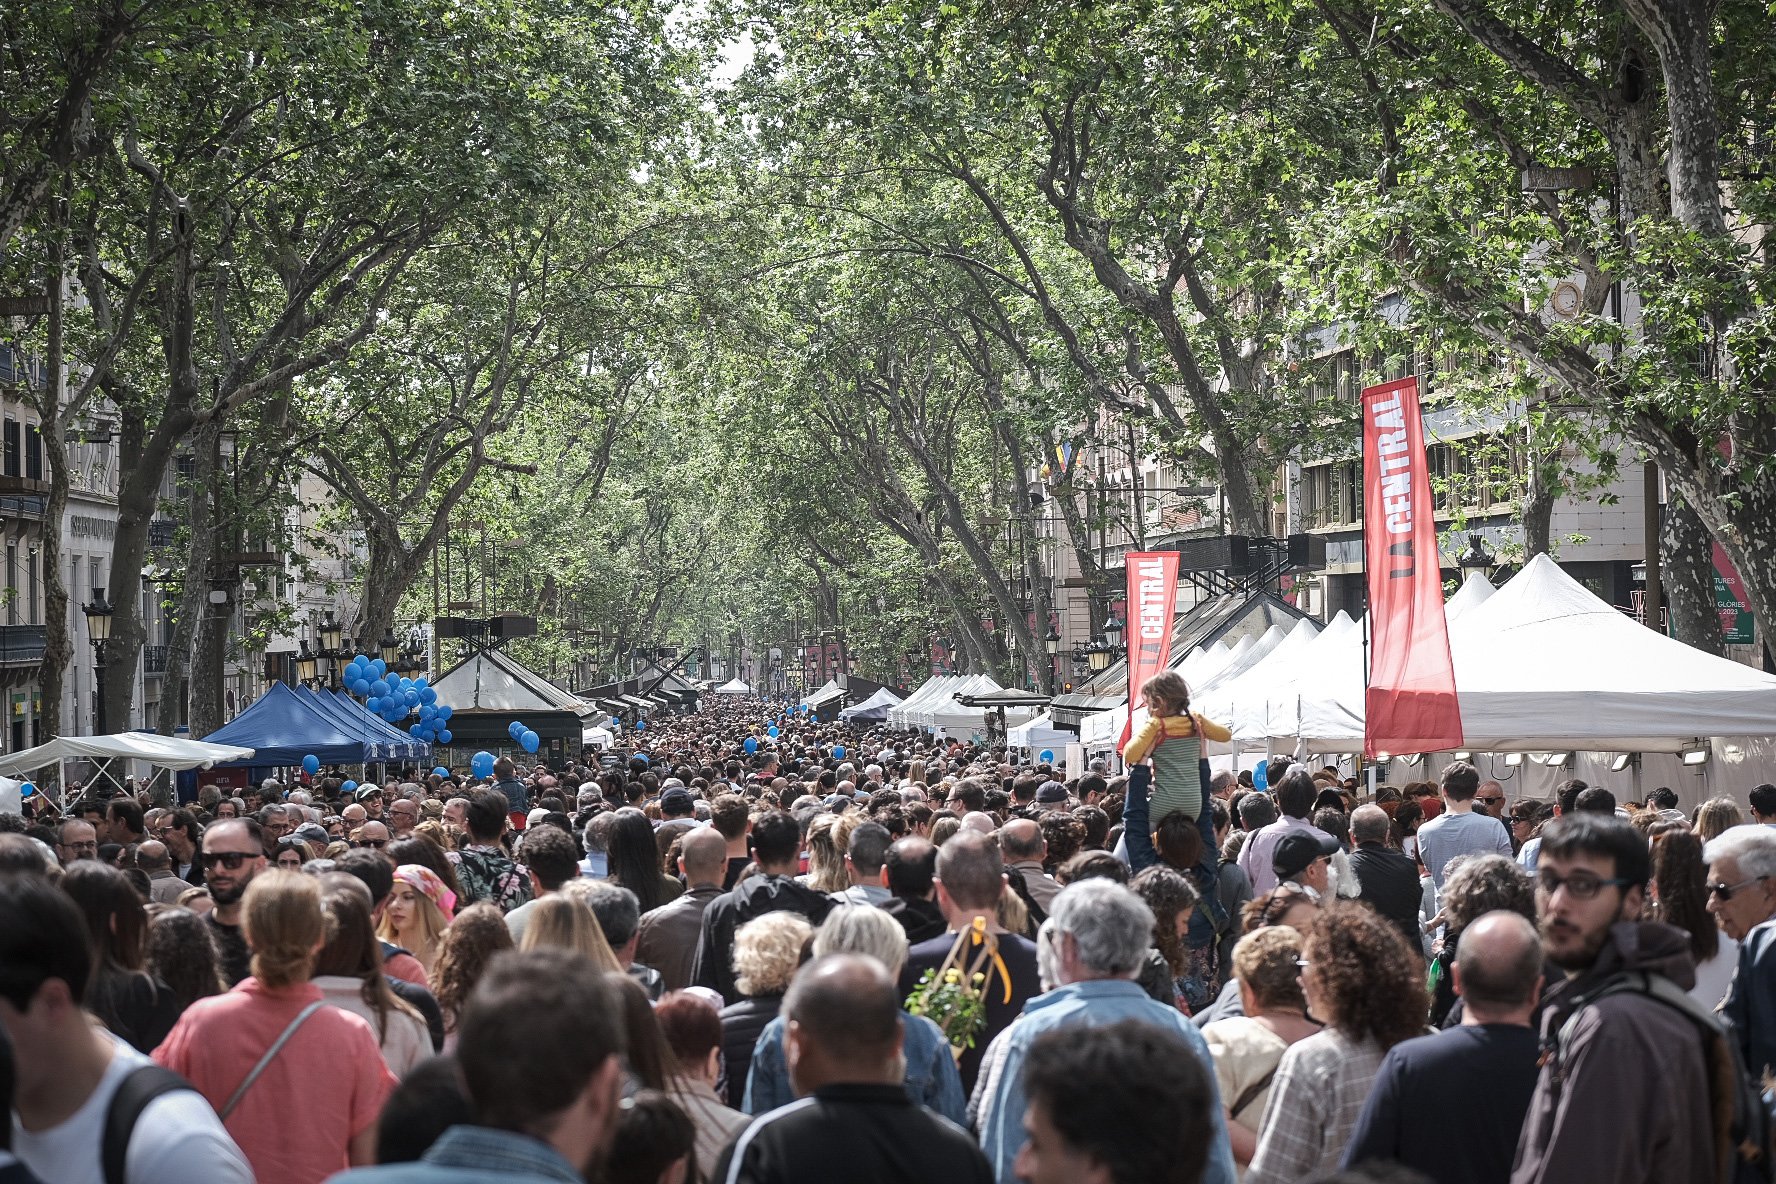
(932, 1079)
(1087, 1005)
(1750, 1005)
(473, 1155)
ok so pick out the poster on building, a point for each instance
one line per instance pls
(1729, 601)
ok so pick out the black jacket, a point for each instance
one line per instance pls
(862, 1134)
(742, 1023)
(714, 966)
(921, 919)
(1389, 883)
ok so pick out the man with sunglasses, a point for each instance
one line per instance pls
(233, 853)
(1623, 1094)
(1742, 899)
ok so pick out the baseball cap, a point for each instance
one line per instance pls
(1051, 793)
(310, 832)
(1299, 848)
(366, 792)
(678, 801)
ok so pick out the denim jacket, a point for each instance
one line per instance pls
(932, 1079)
(474, 1155)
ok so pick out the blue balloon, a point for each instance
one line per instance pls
(444, 736)
(772, 732)
(751, 745)
(349, 787)
(514, 729)
(1261, 776)
(416, 731)
(311, 764)
(445, 712)
(426, 694)
(427, 711)
(373, 705)
(421, 683)
(378, 665)
(405, 683)
(379, 688)
(838, 752)
(641, 725)
(1046, 756)
(482, 764)
(360, 688)
(530, 741)
(27, 789)
(411, 698)
(441, 771)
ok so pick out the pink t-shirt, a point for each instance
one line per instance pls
(326, 1086)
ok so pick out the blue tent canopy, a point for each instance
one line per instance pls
(287, 725)
(402, 745)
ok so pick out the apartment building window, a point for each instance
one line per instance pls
(1332, 494)
(12, 584)
(9, 462)
(33, 452)
(33, 602)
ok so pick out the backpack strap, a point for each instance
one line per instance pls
(240, 1091)
(143, 1084)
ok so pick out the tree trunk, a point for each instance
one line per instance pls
(183, 666)
(58, 646)
(1539, 492)
(1686, 565)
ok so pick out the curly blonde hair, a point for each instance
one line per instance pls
(767, 951)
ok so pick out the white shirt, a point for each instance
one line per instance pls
(407, 1042)
(178, 1138)
(1714, 976)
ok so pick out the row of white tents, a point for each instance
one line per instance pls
(936, 706)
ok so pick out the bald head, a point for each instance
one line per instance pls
(152, 856)
(703, 855)
(1021, 839)
(1369, 824)
(1498, 967)
(845, 1010)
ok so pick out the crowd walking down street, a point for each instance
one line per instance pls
(761, 948)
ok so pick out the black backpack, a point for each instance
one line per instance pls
(144, 1084)
(1742, 1121)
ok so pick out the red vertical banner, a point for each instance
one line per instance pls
(1411, 702)
(1152, 594)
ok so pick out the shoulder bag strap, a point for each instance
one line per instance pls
(264, 1061)
(1251, 1092)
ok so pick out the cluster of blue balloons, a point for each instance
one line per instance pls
(481, 765)
(526, 739)
(396, 697)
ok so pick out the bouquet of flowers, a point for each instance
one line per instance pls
(953, 995)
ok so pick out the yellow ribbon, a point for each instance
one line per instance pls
(980, 938)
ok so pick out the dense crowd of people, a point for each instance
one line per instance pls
(829, 954)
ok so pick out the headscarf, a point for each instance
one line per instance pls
(425, 881)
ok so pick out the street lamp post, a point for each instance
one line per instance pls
(98, 626)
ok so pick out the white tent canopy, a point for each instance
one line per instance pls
(734, 687)
(1105, 728)
(1247, 692)
(1039, 734)
(167, 752)
(931, 691)
(1329, 651)
(597, 737)
(1545, 666)
(926, 715)
(876, 702)
(826, 694)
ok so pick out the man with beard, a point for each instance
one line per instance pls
(1623, 1094)
(540, 1047)
(233, 853)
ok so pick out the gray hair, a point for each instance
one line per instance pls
(863, 929)
(1369, 824)
(617, 908)
(1753, 848)
(1111, 927)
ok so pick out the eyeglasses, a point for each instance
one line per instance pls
(1725, 891)
(88, 845)
(377, 843)
(1579, 885)
(1492, 801)
(228, 859)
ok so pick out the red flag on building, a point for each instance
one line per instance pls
(1152, 593)
(1411, 703)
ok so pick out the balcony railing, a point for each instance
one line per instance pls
(21, 644)
(154, 659)
(160, 533)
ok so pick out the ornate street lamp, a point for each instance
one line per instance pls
(98, 626)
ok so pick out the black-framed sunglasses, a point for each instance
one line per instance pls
(228, 859)
(376, 843)
(1579, 885)
(1724, 892)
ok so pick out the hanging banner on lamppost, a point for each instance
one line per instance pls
(1152, 593)
(1411, 703)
